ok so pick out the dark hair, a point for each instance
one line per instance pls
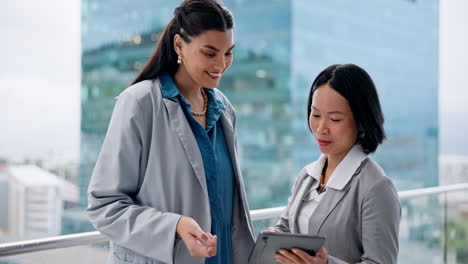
(191, 18)
(355, 84)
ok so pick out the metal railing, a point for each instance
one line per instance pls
(29, 246)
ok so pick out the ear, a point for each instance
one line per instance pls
(178, 42)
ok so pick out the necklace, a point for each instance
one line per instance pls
(205, 105)
(321, 188)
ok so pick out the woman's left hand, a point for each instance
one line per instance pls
(297, 256)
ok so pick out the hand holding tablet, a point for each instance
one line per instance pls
(269, 243)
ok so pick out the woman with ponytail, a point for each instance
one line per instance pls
(167, 186)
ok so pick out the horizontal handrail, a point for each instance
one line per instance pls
(405, 195)
(33, 245)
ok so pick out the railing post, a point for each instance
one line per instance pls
(445, 228)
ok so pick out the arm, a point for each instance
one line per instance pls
(283, 222)
(380, 221)
(380, 211)
(114, 183)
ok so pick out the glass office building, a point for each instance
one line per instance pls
(281, 45)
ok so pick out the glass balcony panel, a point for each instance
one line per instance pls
(93, 253)
(457, 227)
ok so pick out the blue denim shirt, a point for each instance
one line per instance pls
(219, 172)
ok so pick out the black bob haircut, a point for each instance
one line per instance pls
(356, 86)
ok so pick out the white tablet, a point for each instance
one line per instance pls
(269, 243)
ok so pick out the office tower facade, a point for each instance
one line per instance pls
(281, 45)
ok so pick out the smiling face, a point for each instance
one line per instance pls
(332, 122)
(206, 57)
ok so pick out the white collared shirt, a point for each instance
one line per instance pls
(338, 180)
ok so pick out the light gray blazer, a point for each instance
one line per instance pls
(150, 173)
(360, 221)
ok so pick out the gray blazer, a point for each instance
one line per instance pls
(360, 221)
(150, 173)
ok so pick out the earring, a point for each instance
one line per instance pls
(179, 59)
(362, 135)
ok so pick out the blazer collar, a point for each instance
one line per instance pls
(345, 170)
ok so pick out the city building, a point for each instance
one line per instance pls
(3, 198)
(281, 45)
(36, 200)
(453, 169)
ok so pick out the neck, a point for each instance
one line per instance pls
(187, 87)
(335, 159)
(332, 162)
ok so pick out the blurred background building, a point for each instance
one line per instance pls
(33, 201)
(276, 59)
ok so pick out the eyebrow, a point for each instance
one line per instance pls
(331, 112)
(216, 49)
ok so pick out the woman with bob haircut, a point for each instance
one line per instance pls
(167, 186)
(344, 195)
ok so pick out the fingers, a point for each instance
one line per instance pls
(288, 257)
(212, 249)
(322, 253)
(198, 242)
(205, 238)
(272, 229)
(320, 257)
(198, 250)
(206, 243)
(282, 259)
(304, 256)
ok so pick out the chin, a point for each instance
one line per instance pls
(325, 150)
(210, 85)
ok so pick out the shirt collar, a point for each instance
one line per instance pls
(215, 104)
(214, 101)
(214, 108)
(345, 170)
(168, 87)
(169, 90)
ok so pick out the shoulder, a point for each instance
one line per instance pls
(140, 101)
(141, 96)
(374, 181)
(371, 172)
(143, 90)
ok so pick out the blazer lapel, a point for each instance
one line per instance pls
(230, 135)
(325, 207)
(294, 209)
(180, 125)
(230, 141)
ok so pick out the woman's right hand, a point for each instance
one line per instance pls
(198, 242)
(273, 230)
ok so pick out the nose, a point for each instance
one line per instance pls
(220, 64)
(322, 127)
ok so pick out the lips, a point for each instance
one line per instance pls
(214, 75)
(323, 142)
